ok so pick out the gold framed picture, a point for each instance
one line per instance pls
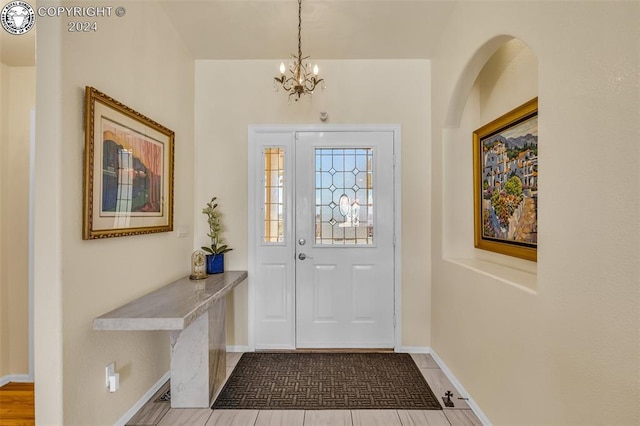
(128, 171)
(505, 183)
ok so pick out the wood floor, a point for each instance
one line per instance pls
(17, 404)
(161, 413)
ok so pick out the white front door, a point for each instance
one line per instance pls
(322, 226)
(344, 270)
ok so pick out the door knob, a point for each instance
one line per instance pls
(303, 256)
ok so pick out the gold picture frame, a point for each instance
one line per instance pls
(128, 171)
(505, 183)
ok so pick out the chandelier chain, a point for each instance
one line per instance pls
(299, 29)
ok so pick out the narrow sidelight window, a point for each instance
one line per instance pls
(274, 208)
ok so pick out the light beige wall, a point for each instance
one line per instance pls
(18, 98)
(230, 98)
(4, 290)
(47, 270)
(508, 79)
(140, 61)
(566, 352)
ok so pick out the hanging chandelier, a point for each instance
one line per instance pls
(302, 79)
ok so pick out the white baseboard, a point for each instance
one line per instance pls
(17, 378)
(233, 348)
(461, 390)
(122, 421)
(415, 349)
(452, 378)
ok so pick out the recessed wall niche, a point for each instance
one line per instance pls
(508, 78)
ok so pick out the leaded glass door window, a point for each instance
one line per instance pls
(344, 196)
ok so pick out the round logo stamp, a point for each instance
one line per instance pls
(17, 17)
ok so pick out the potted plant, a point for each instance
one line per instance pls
(217, 249)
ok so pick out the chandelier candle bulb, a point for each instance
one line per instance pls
(315, 69)
(282, 68)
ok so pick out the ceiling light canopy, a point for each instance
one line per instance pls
(301, 79)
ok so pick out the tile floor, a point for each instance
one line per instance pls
(161, 413)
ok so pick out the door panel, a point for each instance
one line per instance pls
(363, 293)
(273, 275)
(344, 239)
(275, 294)
(324, 292)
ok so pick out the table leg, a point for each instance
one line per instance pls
(198, 359)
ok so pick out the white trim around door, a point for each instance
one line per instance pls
(274, 297)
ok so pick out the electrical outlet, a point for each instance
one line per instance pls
(114, 382)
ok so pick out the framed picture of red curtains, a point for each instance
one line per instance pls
(128, 171)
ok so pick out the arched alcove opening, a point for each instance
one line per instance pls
(501, 75)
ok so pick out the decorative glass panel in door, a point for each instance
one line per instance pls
(344, 196)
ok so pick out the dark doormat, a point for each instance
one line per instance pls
(326, 381)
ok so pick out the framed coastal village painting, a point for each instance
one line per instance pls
(505, 183)
(128, 171)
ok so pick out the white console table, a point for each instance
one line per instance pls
(193, 312)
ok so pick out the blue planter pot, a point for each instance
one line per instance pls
(215, 264)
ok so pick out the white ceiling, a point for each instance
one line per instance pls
(366, 29)
(267, 29)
